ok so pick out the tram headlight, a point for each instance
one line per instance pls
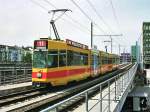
(39, 75)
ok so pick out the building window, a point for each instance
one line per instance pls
(146, 27)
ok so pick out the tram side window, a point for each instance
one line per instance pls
(52, 59)
(69, 58)
(81, 59)
(110, 60)
(92, 59)
(62, 58)
(72, 58)
(76, 59)
(117, 60)
(105, 60)
(114, 60)
(84, 59)
(100, 60)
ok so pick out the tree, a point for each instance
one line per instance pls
(27, 58)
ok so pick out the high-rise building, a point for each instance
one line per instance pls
(146, 44)
(135, 53)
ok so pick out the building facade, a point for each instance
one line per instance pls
(135, 53)
(146, 44)
(125, 57)
(13, 53)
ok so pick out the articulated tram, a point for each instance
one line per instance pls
(57, 62)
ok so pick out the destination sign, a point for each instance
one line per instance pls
(76, 44)
(40, 44)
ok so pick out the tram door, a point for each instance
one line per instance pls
(95, 65)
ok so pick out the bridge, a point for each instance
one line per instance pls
(108, 94)
(111, 96)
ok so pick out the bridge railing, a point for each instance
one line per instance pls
(14, 74)
(110, 91)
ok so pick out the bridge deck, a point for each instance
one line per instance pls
(111, 101)
(110, 98)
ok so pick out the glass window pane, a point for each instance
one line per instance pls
(39, 59)
(62, 58)
(52, 59)
(69, 58)
(85, 59)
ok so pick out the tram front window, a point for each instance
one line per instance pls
(39, 59)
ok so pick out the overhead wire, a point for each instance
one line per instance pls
(100, 17)
(98, 14)
(67, 15)
(41, 6)
(116, 19)
(114, 13)
(86, 15)
(50, 4)
(75, 21)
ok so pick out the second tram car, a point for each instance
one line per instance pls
(60, 62)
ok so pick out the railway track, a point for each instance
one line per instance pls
(69, 106)
(11, 102)
(36, 100)
(20, 96)
(74, 103)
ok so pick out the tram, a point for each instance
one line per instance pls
(58, 62)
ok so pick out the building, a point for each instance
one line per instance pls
(146, 44)
(2, 53)
(135, 53)
(13, 53)
(125, 57)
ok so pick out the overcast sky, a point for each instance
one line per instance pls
(23, 21)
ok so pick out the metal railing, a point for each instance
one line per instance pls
(117, 85)
(14, 74)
